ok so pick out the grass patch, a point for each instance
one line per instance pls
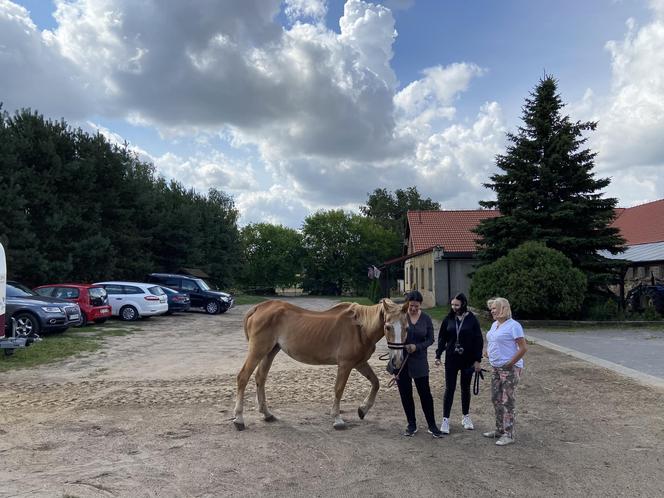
(249, 299)
(50, 349)
(55, 347)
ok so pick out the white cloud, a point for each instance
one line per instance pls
(631, 117)
(276, 205)
(318, 110)
(212, 169)
(33, 72)
(315, 9)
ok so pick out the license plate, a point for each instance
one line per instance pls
(104, 311)
(74, 316)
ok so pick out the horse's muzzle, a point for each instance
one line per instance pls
(396, 358)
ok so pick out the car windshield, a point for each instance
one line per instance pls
(18, 290)
(168, 291)
(202, 284)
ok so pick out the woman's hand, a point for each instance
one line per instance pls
(437, 362)
(411, 348)
(478, 366)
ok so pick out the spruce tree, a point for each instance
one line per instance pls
(548, 192)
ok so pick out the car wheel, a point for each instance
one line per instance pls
(26, 324)
(84, 320)
(128, 313)
(100, 320)
(212, 307)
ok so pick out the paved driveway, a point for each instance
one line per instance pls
(640, 350)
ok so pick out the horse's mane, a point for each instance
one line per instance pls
(369, 318)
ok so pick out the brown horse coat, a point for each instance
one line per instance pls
(344, 335)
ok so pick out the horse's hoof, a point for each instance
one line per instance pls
(239, 425)
(361, 413)
(340, 426)
(270, 418)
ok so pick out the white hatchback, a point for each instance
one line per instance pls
(132, 300)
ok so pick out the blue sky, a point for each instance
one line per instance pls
(301, 105)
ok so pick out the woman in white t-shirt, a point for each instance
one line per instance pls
(506, 346)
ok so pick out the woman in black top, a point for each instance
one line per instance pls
(419, 338)
(460, 337)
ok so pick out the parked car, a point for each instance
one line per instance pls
(177, 301)
(34, 313)
(92, 299)
(133, 300)
(200, 293)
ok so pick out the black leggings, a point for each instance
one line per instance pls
(451, 369)
(406, 392)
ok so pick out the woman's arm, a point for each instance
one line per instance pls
(521, 350)
(442, 338)
(428, 338)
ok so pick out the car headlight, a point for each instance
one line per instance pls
(51, 309)
(224, 299)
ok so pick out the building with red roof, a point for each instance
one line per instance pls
(642, 227)
(440, 251)
(440, 248)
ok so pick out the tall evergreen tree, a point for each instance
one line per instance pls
(548, 191)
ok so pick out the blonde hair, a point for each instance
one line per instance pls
(503, 305)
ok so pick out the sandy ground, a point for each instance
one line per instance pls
(150, 415)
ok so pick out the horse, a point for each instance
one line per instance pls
(344, 335)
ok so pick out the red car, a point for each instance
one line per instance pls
(92, 299)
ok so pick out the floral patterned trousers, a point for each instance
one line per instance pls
(503, 397)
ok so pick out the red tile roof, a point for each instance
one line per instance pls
(450, 230)
(642, 224)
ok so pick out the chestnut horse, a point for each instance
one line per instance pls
(345, 335)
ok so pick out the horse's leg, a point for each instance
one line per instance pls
(261, 377)
(343, 371)
(253, 357)
(368, 402)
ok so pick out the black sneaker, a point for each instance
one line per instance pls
(435, 432)
(410, 431)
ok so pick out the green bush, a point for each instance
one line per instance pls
(539, 283)
(603, 309)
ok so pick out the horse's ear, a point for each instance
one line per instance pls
(404, 307)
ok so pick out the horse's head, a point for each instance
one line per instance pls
(395, 329)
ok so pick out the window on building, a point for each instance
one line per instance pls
(422, 278)
(430, 279)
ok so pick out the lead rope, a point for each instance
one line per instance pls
(476, 380)
(395, 379)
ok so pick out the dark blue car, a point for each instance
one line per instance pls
(177, 301)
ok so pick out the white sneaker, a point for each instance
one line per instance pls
(445, 426)
(504, 441)
(467, 423)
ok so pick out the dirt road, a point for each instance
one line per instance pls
(150, 415)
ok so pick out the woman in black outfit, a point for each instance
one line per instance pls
(419, 338)
(460, 337)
